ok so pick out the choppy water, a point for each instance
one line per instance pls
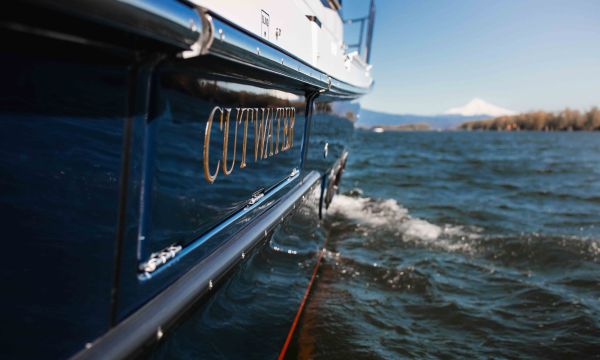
(454, 245)
(441, 245)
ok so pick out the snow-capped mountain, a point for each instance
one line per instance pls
(476, 109)
(479, 107)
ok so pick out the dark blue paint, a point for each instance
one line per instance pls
(85, 130)
(60, 157)
(169, 199)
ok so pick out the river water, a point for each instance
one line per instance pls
(460, 244)
(440, 245)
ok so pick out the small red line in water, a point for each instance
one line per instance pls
(299, 312)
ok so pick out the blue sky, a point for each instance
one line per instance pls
(523, 55)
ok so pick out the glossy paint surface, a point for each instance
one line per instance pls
(170, 200)
(181, 203)
(102, 165)
(60, 158)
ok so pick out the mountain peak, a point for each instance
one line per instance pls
(479, 107)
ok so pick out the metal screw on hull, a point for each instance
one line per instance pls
(159, 333)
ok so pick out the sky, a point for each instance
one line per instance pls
(429, 56)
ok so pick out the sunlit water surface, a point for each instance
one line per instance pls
(455, 244)
(444, 245)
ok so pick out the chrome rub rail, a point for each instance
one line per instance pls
(224, 40)
(149, 323)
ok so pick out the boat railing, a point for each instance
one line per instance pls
(364, 41)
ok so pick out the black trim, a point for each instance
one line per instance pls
(314, 19)
(310, 101)
(140, 88)
(123, 181)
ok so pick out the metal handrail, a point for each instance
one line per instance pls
(370, 21)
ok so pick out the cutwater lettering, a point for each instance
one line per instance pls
(272, 130)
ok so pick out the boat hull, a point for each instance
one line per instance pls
(141, 185)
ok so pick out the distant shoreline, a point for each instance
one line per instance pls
(566, 120)
(401, 127)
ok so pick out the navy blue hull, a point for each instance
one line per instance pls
(105, 166)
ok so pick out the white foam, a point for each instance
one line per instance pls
(366, 211)
(418, 229)
(389, 215)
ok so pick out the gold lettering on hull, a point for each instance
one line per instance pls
(273, 130)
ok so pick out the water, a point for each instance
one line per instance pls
(455, 244)
(440, 245)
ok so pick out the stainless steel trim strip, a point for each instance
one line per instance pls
(234, 44)
(149, 322)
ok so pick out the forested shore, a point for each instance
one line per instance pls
(566, 120)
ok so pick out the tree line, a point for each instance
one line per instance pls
(566, 120)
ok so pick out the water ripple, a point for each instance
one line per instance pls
(461, 245)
